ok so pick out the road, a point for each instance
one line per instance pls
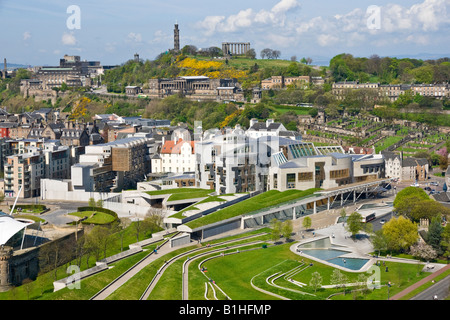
(439, 289)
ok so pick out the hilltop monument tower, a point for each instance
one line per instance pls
(176, 38)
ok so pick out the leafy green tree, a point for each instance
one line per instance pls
(275, 225)
(445, 241)
(286, 229)
(338, 279)
(307, 223)
(400, 233)
(92, 203)
(379, 241)
(355, 223)
(316, 281)
(434, 234)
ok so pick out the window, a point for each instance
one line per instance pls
(290, 179)
(305, 176)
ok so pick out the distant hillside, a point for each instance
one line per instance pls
(14, 66)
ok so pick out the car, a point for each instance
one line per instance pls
(434, 183)
(427, 189)
(382, 221)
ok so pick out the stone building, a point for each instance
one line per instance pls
(196, 88)
(280, 82)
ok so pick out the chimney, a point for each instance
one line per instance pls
(268, 122)
(253, 121)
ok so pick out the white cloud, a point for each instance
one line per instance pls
(352, 28)
(325, 40)
(68, 39)
(275, 17)
(26, 35)
(160, 37)
(134, 37)
(431, 13)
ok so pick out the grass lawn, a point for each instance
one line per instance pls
(233, 274)
(261, 201)
(94, 217)
(182, 193)
(297, 112)
(219, 198)
(31, 217)
(387, 142)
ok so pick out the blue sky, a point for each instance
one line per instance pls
(36, 33)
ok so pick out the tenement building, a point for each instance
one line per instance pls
(392, 91)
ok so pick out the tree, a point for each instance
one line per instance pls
(355, 223)
(338, 279)
(99, 203)
(275, 225)
(96, 241)
(400, 233)
(276, 54)
(379, 241)
(286, 229)
(316, 281)
(307, 223)
(434, 234)
(251, 54)
(423, 251)
(189, 50)
(343, 215)
(92, 203)
(445, 241)
(443, 162)
(153, 221)
(294, 58)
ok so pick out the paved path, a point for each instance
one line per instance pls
(419, 283)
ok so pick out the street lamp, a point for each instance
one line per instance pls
(389, 286)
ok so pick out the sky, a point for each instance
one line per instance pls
(38, 32)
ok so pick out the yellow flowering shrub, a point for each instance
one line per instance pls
(211, 69)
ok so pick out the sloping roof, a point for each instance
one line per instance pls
(441, 197)
(262, 126)
(170, 146)
(413, 162)
(9, 227)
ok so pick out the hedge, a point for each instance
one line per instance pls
(29, 206)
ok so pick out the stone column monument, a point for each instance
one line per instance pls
(5, 277)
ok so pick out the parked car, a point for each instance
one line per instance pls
(382, 221)
(434, 183)
(427, 189)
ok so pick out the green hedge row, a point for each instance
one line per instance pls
(29, 206)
